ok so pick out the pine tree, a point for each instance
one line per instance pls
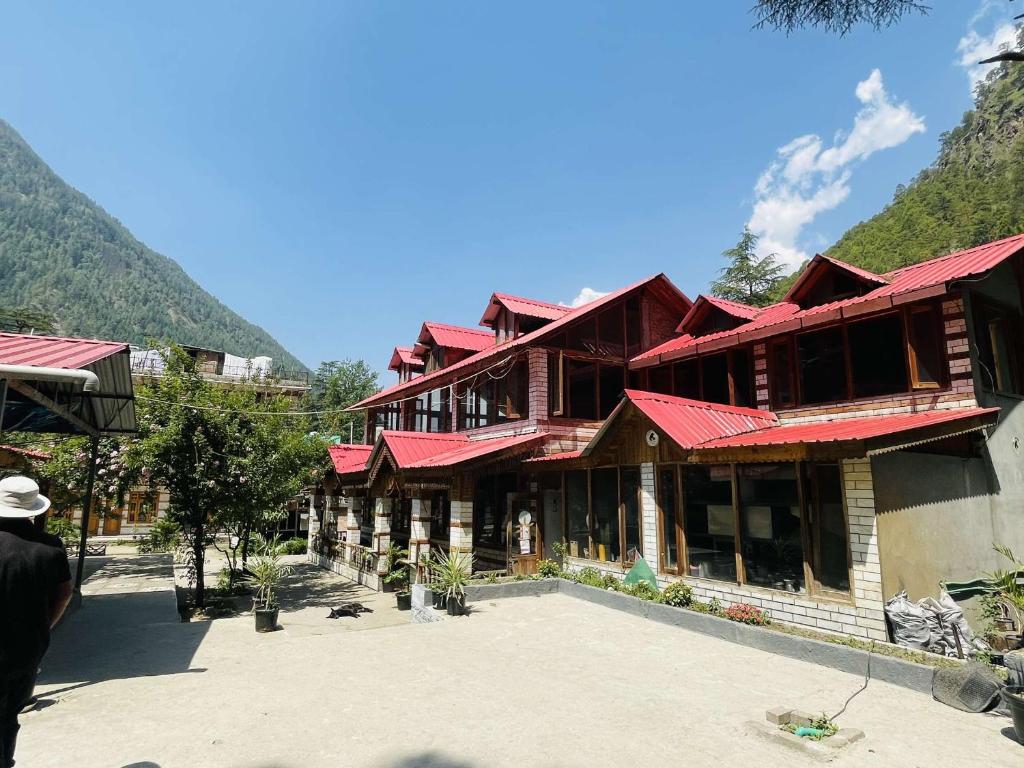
(749, 279)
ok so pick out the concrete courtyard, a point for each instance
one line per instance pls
(532, 681)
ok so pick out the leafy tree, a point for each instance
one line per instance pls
(749, 278)
(837, 16)
(68, 469)
(27, 320)
(336, 385)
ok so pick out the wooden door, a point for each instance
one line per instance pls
(112, 523)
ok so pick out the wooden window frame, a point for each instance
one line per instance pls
(682, 566)
(810, 503)
(913, 377)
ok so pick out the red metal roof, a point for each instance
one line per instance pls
(455, 337)
(840, 430)
(818, 259)
(404, 355)
(908, 283)
(349, 458)
(54, 351)
(410, 447)
(477, 449)
(521, 306)
(554, 457)
(734, 308)
(498, 352)
(689, 423)
(29, 453)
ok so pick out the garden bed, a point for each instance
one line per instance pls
(889, 663)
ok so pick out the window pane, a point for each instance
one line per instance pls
(660, 380)
(667, 505)
(605, 500)
(832, 565)
(610, 332)
(822, 366)
(554, 384)
(687, 379)
(576, 504)
(630, 489)
(782, 374)
(715, 378)
(580, 378)
(440, 519)
(770, 524)
(742, 378)
(366, 522)
(877, 356)
(926, 339)
(709, 522)
(613, 381)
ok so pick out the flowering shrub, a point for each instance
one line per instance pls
(642, 589)
(678, 594)
(747, 614)
(548, 568)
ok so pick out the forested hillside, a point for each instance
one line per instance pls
(973, 193)
(61, 253)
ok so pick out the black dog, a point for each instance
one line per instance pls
(350, 610)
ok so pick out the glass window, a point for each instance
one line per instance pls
(827, 525)
(709, 522)
(610, 333)
(686, 378)
(440, 519)
(555, 383)
(576, 504)
(629, 484)
(822, 366)
(612, 382)
(781, 362)
(581, 380)
(490, 505)
(715, 378)
(669, 518)
(997, 335)
(770, 526)
(367, 522)
(605, 505)
(742, 378)
(877, 356)
(660, 380)
(927, 361)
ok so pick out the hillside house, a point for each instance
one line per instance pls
(814, 456)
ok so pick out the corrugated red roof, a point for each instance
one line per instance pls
(410, 447)
(689, 423)
(521, 306)
(349, 458)
(554, 457)
(29, 453)
(904, 283)
(733, 308)
(820, 259)
(841, 430)
(498, 352)
(477, 449)
(404, 355)
(454, 337)
(54, 351)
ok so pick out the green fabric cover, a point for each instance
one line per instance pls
(641, 571)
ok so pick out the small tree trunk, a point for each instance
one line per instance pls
(246, 532)
(199, 558)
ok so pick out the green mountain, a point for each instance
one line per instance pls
(972, 193)
(62, 253)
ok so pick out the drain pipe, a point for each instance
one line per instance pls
(90, 381)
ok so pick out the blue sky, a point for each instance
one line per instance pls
(339, 172)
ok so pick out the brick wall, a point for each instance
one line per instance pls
(761, 398)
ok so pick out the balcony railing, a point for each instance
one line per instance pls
(275, 376)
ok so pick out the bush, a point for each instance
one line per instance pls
(678, 594)
(747, 614)
(713, 607)
(591, 577)
(164, 536)
(642, 589)
(548, 569)
(63, 528)
(293, 547)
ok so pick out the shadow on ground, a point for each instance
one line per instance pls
(127, 626)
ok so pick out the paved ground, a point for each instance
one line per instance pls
(543, 681)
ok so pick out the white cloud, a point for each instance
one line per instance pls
(585, 296)
(975, 45)
(807, 178)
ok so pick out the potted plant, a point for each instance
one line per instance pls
(267, 571)
(1013, 698)
(398, 581)
(451, 574)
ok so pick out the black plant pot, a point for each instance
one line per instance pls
(1011, 696)
(266, 619)
(403, 601)
(439, 600)
(457, 605)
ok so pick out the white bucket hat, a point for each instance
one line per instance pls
(20, 497)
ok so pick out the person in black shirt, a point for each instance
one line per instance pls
(35, 587)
